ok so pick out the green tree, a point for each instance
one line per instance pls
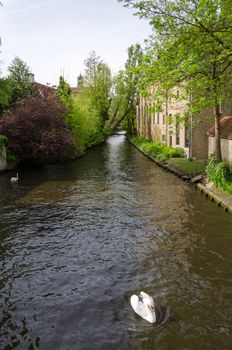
(81, 115)
(98, 83)
(5, 94)
(191, 48)
(85, 122)
(64, 92)
(126, 91)
(19, 79)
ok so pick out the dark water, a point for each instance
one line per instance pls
(78, 239)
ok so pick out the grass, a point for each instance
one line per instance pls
(191, 167)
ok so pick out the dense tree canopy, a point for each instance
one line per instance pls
(126, 91)
(98, 82)
(5, 94)
(36, 130)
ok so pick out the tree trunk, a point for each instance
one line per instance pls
(217, 147)
(149, 128)
(116, 125)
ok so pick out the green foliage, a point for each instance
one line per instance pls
(211, 167)
(5, 94)
(3, 140)
(64, 93)
(11, 157)
(87, 113)
(84, 122)
(98, 83)
(191, 48)
(220, 174)
(19, 80)
(139, 140)
(125, 91)
(157, 149)
(179, 152)
(190, 167)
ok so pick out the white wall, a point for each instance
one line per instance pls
(226, 147)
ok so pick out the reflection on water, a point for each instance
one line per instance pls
(78, 239)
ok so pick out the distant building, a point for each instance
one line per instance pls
(41, 89)
(79, 87)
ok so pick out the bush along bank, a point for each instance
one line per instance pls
(172, 159)
(218, 184)
(220, 174)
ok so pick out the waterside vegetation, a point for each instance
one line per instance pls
(220, 174)
(172, 157)
(56, 125)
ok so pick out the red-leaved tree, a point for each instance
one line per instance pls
(37, 131)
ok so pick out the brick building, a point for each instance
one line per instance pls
(170, 126)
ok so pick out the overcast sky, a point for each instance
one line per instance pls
(53, 36)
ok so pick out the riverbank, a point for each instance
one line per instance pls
(193, 171)
(13, 165)
(214, 194)
(181, 167)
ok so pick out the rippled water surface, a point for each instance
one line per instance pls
(78, 239)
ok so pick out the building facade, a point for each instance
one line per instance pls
(169, 125)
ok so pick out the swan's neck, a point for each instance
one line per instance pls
(151, 316)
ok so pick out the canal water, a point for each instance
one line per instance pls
(78, 239)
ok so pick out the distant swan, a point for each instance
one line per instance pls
(144, 306)
(15, 179)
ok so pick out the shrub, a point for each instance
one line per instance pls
(220, 174)
(3, 140)
(210, 169)
(179, 153)
(37, 132)
(166, 153)
(138, 140)
(85, 124)
(157, 149)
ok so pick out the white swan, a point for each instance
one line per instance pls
(15, 179)
(144, 306)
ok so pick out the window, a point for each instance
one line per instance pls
(158, 118)
(164, 119)
(170, 140)
(178, 94)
